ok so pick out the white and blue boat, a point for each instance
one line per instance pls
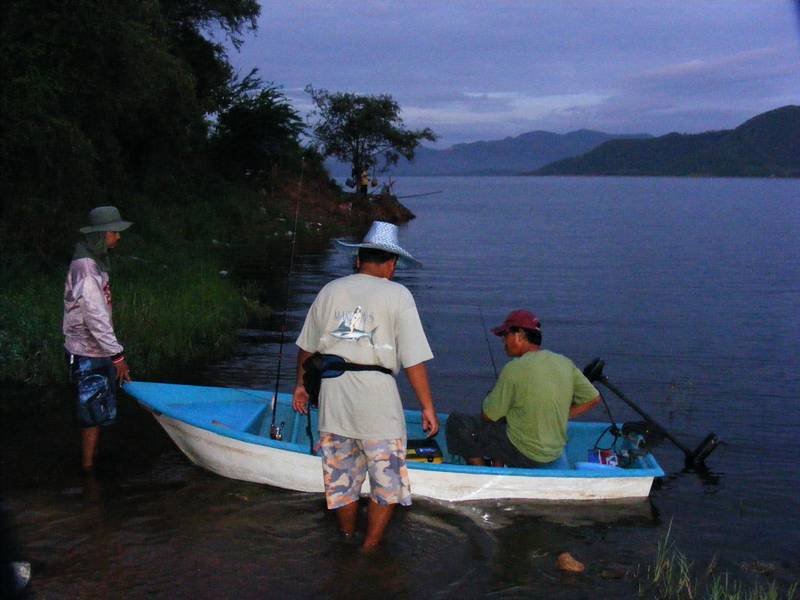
(226, 431)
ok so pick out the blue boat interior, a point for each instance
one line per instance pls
(247, 415)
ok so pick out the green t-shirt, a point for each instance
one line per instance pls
(534, 393)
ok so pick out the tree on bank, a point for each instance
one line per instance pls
(365, 131)
(101, 101)
(257, 131)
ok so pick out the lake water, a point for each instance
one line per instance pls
(687, 288)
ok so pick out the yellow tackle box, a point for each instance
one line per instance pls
(424, 450)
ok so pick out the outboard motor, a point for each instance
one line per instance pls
(594, 372)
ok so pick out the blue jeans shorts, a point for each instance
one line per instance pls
(96, 382)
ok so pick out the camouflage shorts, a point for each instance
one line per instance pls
(346, 462)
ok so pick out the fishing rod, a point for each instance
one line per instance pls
(420, 195)
(693, 458)
(276, 432)
(488, 343)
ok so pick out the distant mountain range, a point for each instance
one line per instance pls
(509, 156)
(767, 145)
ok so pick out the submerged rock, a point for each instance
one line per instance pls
(760, 567)
(614, 571)
(566, 562)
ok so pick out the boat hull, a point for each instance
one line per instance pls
(238, 452)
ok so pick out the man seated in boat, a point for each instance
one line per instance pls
(524, 418)
(373, 323)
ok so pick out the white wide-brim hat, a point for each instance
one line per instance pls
(384, 236)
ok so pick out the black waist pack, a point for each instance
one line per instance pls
(325, 366)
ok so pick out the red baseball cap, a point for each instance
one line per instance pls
(518, 318)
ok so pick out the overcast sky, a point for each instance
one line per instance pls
(487, 70)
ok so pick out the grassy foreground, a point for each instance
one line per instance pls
(672, 576)
(164, 316)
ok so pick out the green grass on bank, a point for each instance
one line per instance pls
(165, 316)
(171, 306)
(30, 325)
(187, 313)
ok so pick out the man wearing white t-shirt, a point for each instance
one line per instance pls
(367, 319)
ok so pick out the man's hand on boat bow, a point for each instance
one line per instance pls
(300, 399)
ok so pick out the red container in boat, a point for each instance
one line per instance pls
(603, 457)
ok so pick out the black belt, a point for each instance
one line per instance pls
(327, 366)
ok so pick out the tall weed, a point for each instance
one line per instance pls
(672, 577)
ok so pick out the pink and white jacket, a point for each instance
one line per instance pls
(88, 327)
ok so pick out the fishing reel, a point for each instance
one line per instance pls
(276, 431)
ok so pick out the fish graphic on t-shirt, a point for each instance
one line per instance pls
(348, 329)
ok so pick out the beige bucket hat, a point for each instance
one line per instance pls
(105, 218)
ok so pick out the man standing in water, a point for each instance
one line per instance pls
(535, 395)
(363, 183)
(96, 361)
(367, 319)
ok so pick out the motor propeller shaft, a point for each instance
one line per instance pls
(594, 372)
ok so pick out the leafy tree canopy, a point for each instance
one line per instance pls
(366, 131)
(100, 99)
(233, 16)
(258, 129)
